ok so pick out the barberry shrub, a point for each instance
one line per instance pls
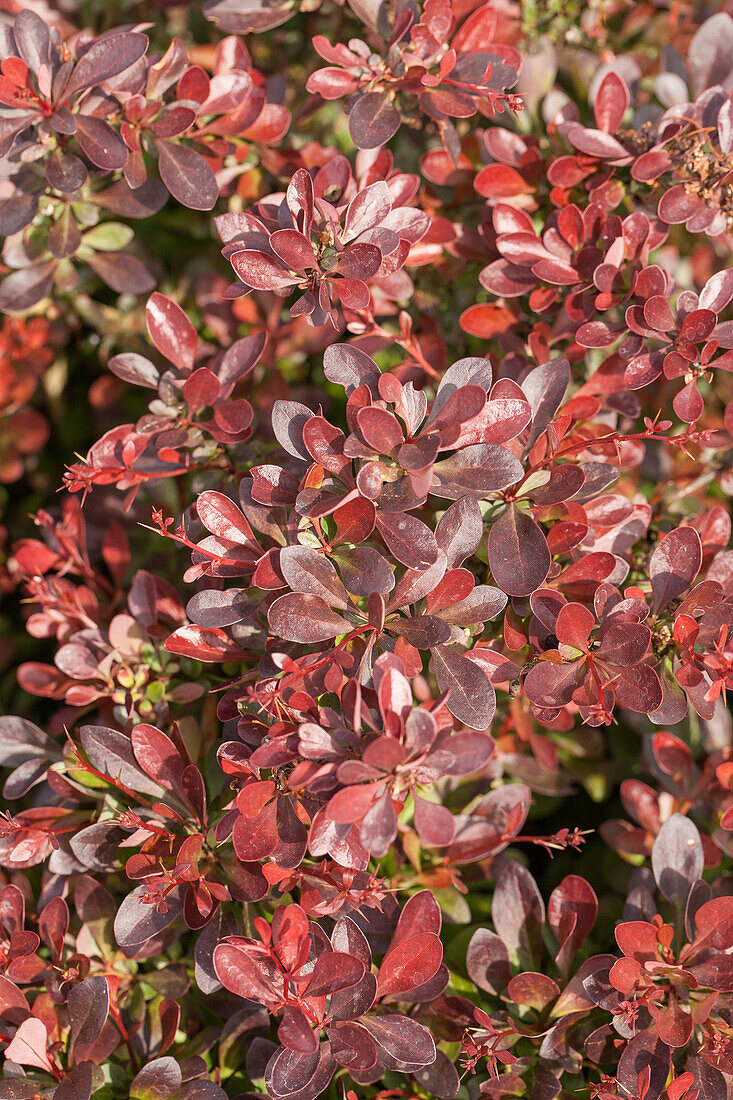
(367, 733)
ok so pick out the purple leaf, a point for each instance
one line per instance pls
(108, 56)
(88, 1006)
(137, 921)
(519, 557)
(298, 617)
(644, 1051)
(122, 272)
(100, 143)
(298, 1076)
(288, 421)
(471, 697)
(487, 961)
(675, 563)
(364, 571)
(408, 538)
(710, 53)
(476, 471)
(349, 367)
(404, 1043)
(373, 120)
(518, 913)
(367, 209)
(677, 858)
(65, 172)
(306, 570)
(545, 388)
(459, 531)
(136, 369)
(187, 176)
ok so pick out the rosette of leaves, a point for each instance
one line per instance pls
(334, 255)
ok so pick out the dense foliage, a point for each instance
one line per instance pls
(366, 449)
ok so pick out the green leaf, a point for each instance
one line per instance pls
(108, 237)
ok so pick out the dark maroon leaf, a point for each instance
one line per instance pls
(76, 1085)
(97, 846)
(32, 38)
(408, 538)
(299, 617)
(404, 1043)
(675, 563)
(65, 172)
(644, 1050)
(106, 57)
(100, 143)
(307, 571)
(364, 571)
(288, 421)
(187, 176)
(518, 914)
(137, 921)
(519, 557)
(545, 388)
(21, 290)
(157, 1080)
(111, 754)
(122, 272)
(476, 471)
(16, 213)
(440, 1078)
(123, 201)
(487, 961)
(349, 367)
(217, 607)
(710, 53)
(707, 1077)
(459, 531)
(471, 697)
(423, 632)
(373, 120)
(88, 1005)
(299, 1076)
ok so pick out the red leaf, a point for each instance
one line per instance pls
(611, 103)
(410, 964)
(171, 331)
